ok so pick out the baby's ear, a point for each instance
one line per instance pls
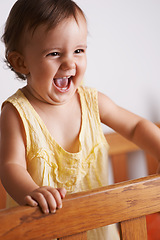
(16, 60)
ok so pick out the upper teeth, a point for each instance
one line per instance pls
(66, 77)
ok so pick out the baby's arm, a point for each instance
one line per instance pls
(13, 171)
(137, 129)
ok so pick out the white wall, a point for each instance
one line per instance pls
(8, 83)
(123, 53)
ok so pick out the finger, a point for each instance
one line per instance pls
(42, 202)
(55, 199)
(62, 192)
(51, 200)
(30, 201)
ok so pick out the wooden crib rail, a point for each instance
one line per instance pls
(120, 147)
(126, 202)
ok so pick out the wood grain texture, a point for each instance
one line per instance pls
(120, 167)
(79, 236)
(134, 229)
(84, 211)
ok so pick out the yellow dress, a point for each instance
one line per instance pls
(50, 165)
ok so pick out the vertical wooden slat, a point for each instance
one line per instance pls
(119, 166)
(134, 229)
(80, 236)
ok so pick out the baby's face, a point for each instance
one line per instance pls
(56, 60)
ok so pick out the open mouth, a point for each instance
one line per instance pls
(62, 84)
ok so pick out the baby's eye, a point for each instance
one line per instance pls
(79, 51)
(53, 54)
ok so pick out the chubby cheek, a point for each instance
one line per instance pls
(82, 67)
(84, 64)
(39, 78)
(44, 72)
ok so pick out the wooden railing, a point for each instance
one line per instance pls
(128, 203)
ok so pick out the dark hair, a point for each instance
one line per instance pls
(29, 14)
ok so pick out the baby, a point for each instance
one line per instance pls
(51, 137)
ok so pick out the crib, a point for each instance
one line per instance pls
(127, 202)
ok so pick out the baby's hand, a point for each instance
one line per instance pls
(48, 198)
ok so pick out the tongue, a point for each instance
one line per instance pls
(61, 82)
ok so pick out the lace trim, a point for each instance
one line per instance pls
(67, 173)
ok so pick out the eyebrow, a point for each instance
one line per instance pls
(50, 50)
(59, 49)
(81, 46)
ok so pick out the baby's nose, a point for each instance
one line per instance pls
(68, 63)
